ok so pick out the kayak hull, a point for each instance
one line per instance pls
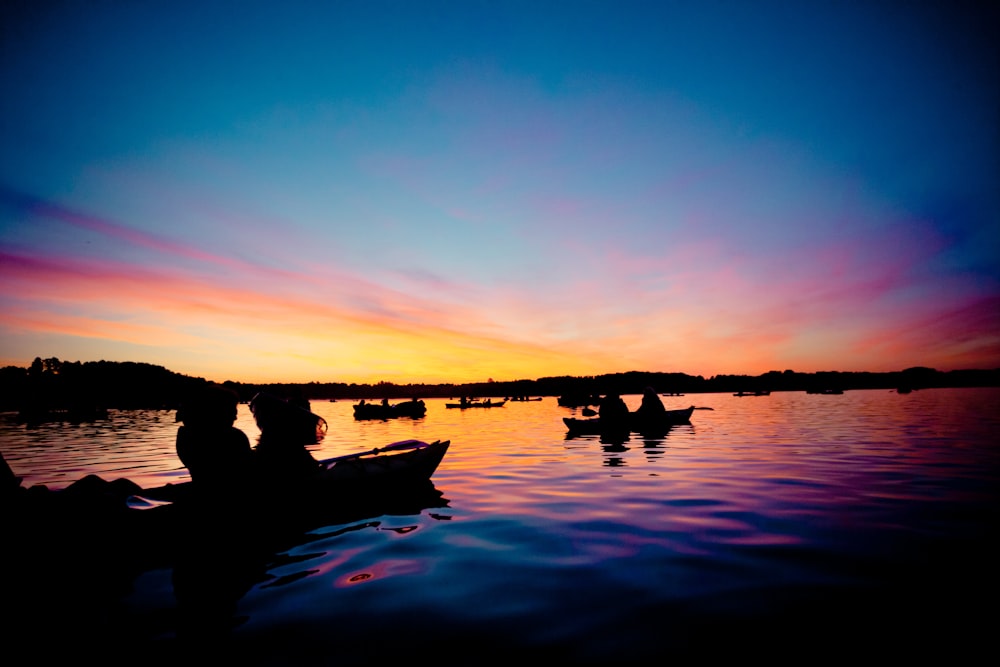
(398, 464)
(635, 424)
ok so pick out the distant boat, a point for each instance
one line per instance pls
(636, 423)
(578, 400)
(476, 404)
(824, 391)
(415, 409)
(752, 393)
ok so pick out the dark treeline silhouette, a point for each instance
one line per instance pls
(82, 389)
(79, 391)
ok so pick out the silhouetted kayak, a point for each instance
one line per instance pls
(349, 479)
(377, 470)
(476, 404)
(414, 409)
(91, 539)
(636, 423)
(119, 524)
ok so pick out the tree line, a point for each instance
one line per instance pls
(51, 384)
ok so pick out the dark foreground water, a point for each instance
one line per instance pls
(793, 527)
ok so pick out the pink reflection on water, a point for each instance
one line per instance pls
(382, 570)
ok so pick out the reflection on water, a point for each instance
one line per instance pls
(776, 523)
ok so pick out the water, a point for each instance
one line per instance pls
(791, 525)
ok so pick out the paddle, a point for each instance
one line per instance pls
(402, 444)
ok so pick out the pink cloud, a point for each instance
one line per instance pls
(130, 235)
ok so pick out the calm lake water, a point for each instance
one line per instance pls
(791, 526)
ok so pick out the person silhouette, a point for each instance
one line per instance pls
(649, 417)
(651, 406)
(217, 455)
(285, 432)
(217, 553)
(613, 412)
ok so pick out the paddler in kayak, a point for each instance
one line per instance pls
(217, 550)
(614, 413)
(286, 430)
(217, 455)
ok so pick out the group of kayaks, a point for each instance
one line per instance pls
(576, 426)
(395, 466)
(416, 408)
(109, 529)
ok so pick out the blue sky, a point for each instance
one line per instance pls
(444, 191)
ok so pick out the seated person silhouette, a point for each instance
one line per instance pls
(217, 455)
(613, 412)
(651, 406)
(217, 552)
(649, 417)
(285, 432)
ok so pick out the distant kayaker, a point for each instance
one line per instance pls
(217, 455)
(651, 406)
(613, 411)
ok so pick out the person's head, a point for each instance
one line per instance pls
(278, 417)
(211, 405)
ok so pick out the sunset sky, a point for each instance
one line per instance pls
(457, 191)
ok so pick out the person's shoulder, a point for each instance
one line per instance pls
(186, 437)
(238, 438)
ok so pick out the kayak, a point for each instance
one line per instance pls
(409, 460)
(414, 409)
(391, 467)
(96, 531)
(635, 423)
(476, 404)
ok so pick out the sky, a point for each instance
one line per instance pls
(462, 191)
